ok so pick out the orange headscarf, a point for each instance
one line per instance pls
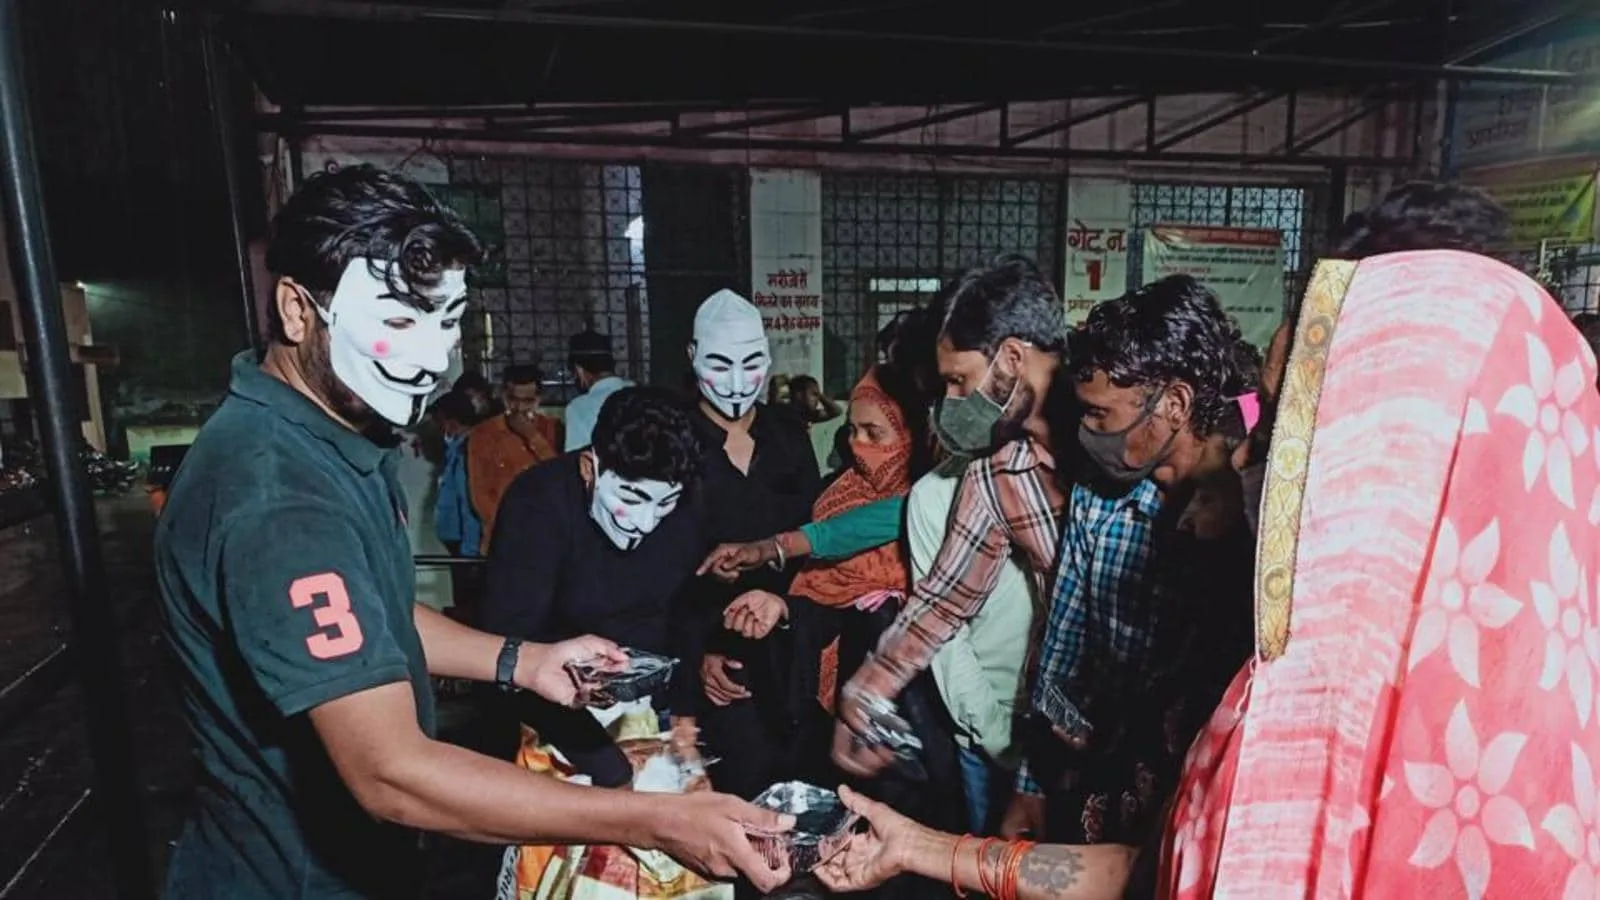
(879, 472)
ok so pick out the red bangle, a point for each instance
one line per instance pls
(954, 882)
(1012, 868)
(985, 883)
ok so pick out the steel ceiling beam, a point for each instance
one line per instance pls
(1112, 18)
(1521, 29)
(779, 118)
(949, 115)
(1227, 115)
(1008, 140)
(1336, 20)
(1365, 111)
(713, 142)
(636, 111)
(375, 10)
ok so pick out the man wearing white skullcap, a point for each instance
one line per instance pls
(759, 478)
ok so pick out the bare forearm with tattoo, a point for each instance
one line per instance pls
(1045, 871)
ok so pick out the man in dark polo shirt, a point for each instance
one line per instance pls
(288, 591)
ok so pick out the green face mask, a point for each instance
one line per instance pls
(965, 425)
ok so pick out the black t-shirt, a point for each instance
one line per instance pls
(286, 582)
(553, 575)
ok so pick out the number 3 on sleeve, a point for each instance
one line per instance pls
(340, 633)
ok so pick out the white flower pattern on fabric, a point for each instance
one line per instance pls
(1190, 842)
(1573, 827)
(1469, 810)
(1459, 600)
(1563, 608)
(1543, 405)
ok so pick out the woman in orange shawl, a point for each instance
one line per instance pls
(1420, 718)
(880, 451)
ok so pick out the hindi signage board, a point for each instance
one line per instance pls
(786, 266)
(1097, 265)
(1546, 201)
(1498, 123)
(1242, 266)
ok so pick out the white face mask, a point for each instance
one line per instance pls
(627, 511)
(732, 375)
(386, 351)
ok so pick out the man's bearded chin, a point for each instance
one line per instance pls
(1013, 422)
(317, 363)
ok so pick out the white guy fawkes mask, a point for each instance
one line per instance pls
(731, 355)
(387, 351)
(627, 511)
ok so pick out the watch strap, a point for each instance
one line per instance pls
(505, 666)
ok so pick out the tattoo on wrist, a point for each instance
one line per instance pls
(1051, 870)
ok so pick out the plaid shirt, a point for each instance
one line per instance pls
(1101, 586)
(1008, 500)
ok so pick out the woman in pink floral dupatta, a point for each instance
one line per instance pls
(1420, 719)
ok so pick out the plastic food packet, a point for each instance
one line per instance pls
(886, 728)
(645, 675)
(1063, 713)
(821, 829)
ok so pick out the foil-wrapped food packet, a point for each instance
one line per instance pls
(885, 728)
(600, 686)
(821, 829)
(1062, 713)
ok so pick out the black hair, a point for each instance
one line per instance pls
(909, 347)
(646, 433)
(521, 373)
(1426, 215)
(909, 374)
(453, 407)
(799, 384)
(591, 352)
(357, 212)
(1247, 363)
(471, 381)
(1169, 330)
(1009, 298)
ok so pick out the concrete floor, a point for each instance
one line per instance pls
(52, 843)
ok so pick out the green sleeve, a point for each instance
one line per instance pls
(857, 531)
(302, 606)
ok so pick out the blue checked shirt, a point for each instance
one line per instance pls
(1101, 596)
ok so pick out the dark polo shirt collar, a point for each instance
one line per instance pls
(250, 383)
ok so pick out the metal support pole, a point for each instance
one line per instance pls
(297, 162)
(94, 644)
(1289, 118)
(227, 136)
(1338, 197)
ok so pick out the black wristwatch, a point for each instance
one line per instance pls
(505, 667)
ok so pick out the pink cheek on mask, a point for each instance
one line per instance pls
(620, 514)
(757, 380)
(708, 382)
(380, 348)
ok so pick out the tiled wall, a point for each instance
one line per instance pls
(566, 254)
(888, 238)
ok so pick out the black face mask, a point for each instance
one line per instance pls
(1108, 449)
